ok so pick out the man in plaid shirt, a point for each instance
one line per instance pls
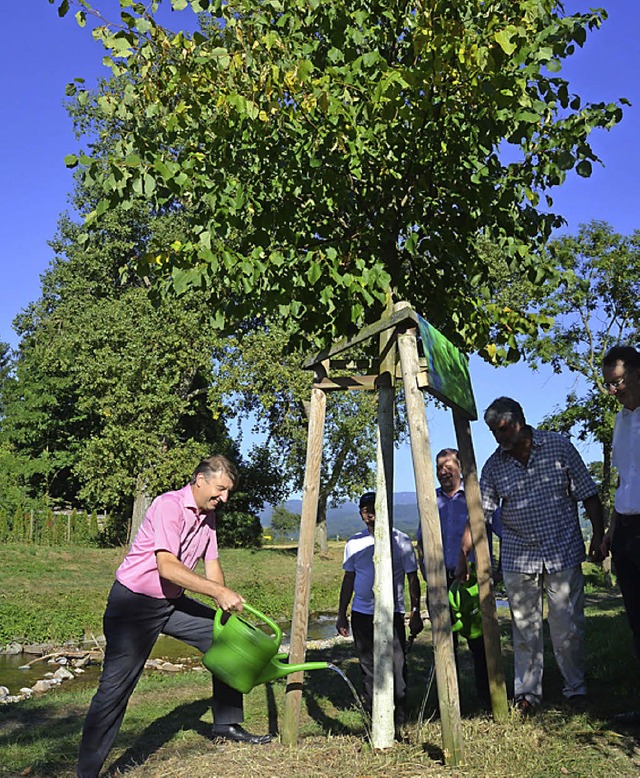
(538, 478)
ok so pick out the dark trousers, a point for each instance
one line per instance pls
(362, 628)
(132, 623)
(476, 647)
(625, 550)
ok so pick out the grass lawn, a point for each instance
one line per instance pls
(164, 731)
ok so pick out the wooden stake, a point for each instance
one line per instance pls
(446, 675)
(490, 626)
(299, 623)
(382, 720)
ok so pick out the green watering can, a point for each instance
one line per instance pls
(244, 656)
(464, 603)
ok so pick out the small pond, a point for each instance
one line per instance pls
(173, 650)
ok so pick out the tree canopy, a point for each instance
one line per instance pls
(329, 155)
(593, 307)
(107, 402)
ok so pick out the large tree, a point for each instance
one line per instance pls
(594, 307)
(327, 155)
(108, 403)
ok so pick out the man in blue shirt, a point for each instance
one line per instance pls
(452, 506)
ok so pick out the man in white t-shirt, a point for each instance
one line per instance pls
(358, 583)
(621, 373)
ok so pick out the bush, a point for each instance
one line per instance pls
(236, 529)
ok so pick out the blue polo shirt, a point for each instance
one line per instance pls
(453, 519)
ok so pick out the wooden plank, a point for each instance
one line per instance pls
(490, 626)
(444, 658)
(299, 623)
(353, 383)
(402, 314)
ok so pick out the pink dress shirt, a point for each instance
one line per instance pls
(172, 523)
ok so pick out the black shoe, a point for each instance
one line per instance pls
(237, 734)
(577, 702)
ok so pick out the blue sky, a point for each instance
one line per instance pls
(42, 53)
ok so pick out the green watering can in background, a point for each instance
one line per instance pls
(464, 603)
(243, 656)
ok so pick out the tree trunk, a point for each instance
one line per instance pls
(141, 503)
(320, 537)
(605, 496)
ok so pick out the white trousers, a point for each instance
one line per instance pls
(565, 598)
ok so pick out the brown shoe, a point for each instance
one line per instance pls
(523, 706)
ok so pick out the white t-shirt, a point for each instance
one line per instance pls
(358, 559)
(626, 458)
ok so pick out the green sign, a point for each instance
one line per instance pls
(448, 371)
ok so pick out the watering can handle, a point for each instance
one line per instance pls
(217, 621)
(266, 619)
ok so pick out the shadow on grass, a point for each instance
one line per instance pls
(50, 731)
(143, 744)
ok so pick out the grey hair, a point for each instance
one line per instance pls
(216, 465)
(504, 409)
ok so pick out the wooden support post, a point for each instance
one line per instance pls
(299, 623)
(446, 675)
(490, 626)
(382, 729)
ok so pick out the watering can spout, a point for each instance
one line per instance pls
(278, 667)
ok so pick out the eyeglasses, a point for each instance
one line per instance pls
(609, 385)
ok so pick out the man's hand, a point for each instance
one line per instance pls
(228, 600)
(605, 546)
(416, 624)
(596, 548)
(342, 625)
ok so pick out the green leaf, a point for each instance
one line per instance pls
(584, 168)
(71, 160)
(504, 39)
(314, 272)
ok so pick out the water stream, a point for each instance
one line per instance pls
(366, 720)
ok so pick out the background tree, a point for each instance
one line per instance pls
(259, 379)
(594, 307)
(111, 390)
(329, 155)
(284, 523)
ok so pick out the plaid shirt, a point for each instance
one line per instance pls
(541, 529)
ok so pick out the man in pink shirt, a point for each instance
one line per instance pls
(148, 598)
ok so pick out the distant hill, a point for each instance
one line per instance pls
(345, 520)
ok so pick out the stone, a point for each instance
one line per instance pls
(13, 648)
(4, 692)
(42, 686)
(170, 667)
(63, 674)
